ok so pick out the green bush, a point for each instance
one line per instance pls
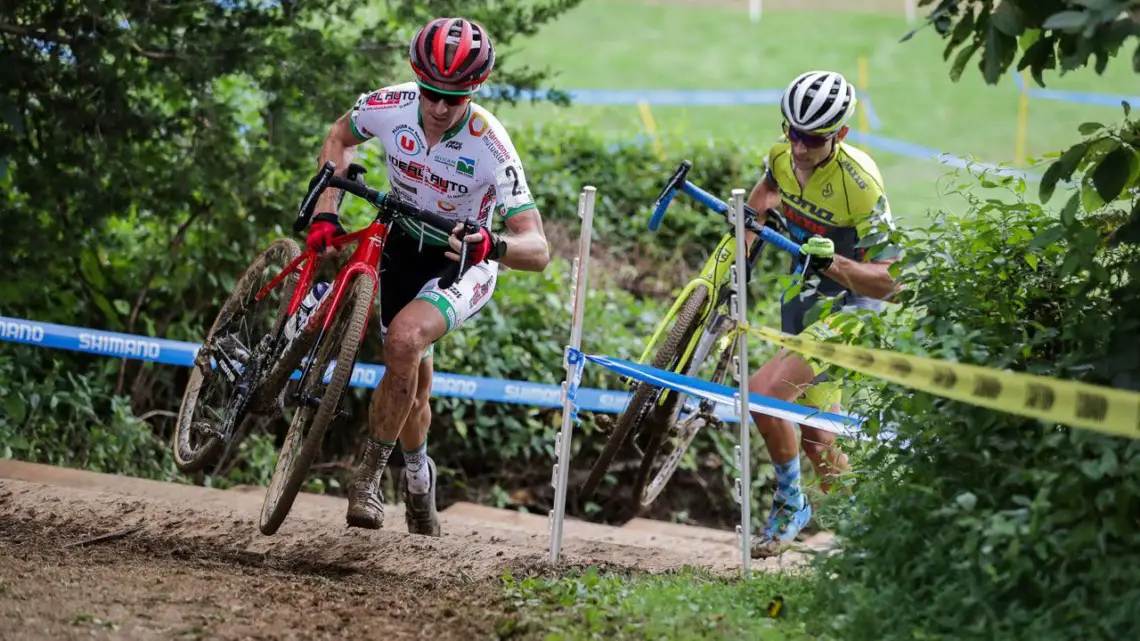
(63, 418)
(973, 523)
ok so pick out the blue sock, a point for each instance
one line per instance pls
(788, 485)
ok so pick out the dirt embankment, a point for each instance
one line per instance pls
(191, 564)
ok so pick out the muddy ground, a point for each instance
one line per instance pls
(190, 563)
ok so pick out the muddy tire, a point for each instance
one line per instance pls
(193, 449)
(643, 411)
(307, 430)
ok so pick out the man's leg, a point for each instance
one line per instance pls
(784, 377)
(413, 330)
(819, 445)
(829, 461)
(419, 472)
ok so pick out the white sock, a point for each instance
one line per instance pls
(416, 471)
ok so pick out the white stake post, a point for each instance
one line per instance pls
(562, 448)
(743, 486)
(755, 9)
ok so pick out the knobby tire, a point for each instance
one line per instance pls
(642, 404)
(301, 446)
(648, 490)
(190, 459)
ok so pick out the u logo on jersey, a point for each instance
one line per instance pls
(408, 140)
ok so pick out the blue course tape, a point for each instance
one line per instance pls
(1078, 97)
(160, 350)
(872, 115)
(723, 395)
(913, 150)
(663, 97)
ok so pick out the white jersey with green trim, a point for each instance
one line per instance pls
(473, 169)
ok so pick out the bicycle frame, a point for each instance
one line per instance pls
(365, 258)
(717, 270)
(714, 275)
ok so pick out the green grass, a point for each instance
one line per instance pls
(690, 604)
(629, 45)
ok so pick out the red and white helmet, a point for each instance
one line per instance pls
(452, 51)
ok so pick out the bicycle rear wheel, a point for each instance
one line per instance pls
(643, 404)
(216, 400)
(318, 407)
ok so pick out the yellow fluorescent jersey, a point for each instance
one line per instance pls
(842, 200)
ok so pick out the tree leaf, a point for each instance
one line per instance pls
(1028, 38)
(999, 52)
(968, 500)
(1087, 128)
(1007, 18)
(1127, 108)
(17, 408)
(1069, 212)
(1048, 237)
(1113, 172)
(960, 61)
(1067, 20)
(1090, 198)
(1049, 181)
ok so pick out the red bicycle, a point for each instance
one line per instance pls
(248, 363)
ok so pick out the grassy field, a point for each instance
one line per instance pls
(623, 44)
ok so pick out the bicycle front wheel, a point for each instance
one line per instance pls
(678, 435)
(643, 405)
(214, 402)
(319, 403)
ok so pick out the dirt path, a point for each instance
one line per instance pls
(195, 565)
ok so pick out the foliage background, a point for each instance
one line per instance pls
(151, 148)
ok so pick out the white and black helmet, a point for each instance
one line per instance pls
(818, 102)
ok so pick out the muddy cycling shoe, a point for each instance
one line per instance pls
(783, 526)
(365, 503)
(419, 509)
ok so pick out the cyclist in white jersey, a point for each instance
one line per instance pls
(448, 155)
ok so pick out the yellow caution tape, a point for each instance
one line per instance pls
(1094, 407)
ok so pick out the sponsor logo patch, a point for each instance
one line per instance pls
(408, 140)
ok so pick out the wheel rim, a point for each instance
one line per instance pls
(240, 336)
(680, 443)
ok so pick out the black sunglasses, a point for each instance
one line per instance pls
(812, 141)
(452, 100)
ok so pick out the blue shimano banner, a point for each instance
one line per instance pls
(160, 350)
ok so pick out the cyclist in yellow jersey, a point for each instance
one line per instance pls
(831, 195)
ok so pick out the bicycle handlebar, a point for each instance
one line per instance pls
(678, 181)
(355, 185)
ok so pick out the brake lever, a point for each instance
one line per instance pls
(455, 273)
(316, 187)
(354, 173)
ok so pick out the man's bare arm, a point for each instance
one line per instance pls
(527, 247)
(867, 279)
(762, 197)
(339, 147)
